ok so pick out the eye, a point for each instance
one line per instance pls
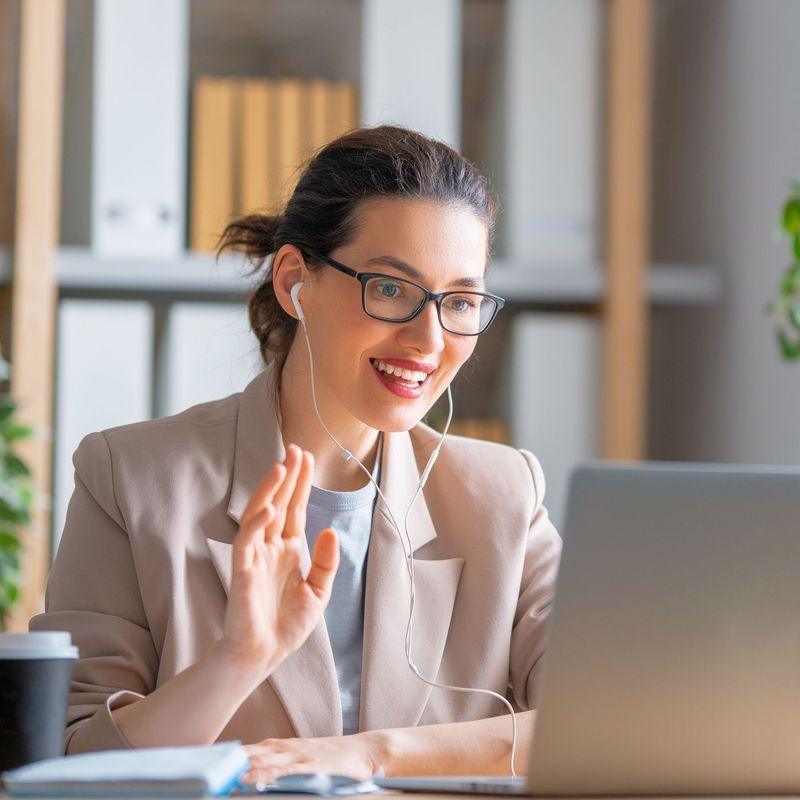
(462, 304)
(389, 290)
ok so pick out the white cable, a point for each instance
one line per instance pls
(409, 553)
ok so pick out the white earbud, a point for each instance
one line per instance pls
(294, 292)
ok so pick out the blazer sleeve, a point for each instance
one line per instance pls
(542, 553)
(93, 593)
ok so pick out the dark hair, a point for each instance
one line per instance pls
(321, 214)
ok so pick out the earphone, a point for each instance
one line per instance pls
(407, 546)
(295, 292)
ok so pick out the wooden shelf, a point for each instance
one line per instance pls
(197, 274)
(668, 284)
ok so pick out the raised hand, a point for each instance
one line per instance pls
(271, 609)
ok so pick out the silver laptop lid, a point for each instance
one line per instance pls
(673, 664)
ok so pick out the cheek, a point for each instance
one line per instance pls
(349, 338)
(461, 349)
(367, 336)
(337, 323)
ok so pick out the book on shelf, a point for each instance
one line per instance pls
(250, 137)
(343, 108)
(214, 104)
(255, 144)
(319, 128)
(290, 130)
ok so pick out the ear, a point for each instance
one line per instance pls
(287, 269)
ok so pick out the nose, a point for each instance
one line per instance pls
(424, 331)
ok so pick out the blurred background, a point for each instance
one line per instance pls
(643, 151)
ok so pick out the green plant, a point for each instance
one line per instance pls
(16, 497)
(786, 306)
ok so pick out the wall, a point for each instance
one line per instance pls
(726, 145)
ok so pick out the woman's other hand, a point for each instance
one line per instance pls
(354, 755)
(271, 609)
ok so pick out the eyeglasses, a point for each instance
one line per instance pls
(392, 299)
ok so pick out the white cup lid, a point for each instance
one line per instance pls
(37, 644)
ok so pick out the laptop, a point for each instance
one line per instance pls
(673, 660)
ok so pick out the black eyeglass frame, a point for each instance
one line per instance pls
(437, 297)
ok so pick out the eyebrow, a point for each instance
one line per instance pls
(398, 263)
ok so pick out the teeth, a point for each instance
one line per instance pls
(405, 374)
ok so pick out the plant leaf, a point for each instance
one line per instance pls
(13, 513)
(789, 281)
(9, 562)
(794, 315)
(9, 542)
(790, 349)
(791, 216)
(14, 465)
(12, 594)
(16, 498)
(13, 432)
(7, 407)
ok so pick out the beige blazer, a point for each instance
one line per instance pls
(143, 568)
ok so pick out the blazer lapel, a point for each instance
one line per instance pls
(258, 440)
(306, 681)
(391, 694)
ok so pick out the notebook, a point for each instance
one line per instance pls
(188, 771)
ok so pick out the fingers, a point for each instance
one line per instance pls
(286, 487)
(324, 563)
(250, 532)
(285, 490)
(296, 513)
(272, 758)
(264, 492)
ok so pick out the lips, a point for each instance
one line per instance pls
(404, 375)
(414, 366)
(408, 391)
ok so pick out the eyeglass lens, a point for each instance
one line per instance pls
(396, 299)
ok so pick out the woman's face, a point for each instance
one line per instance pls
(443, 244)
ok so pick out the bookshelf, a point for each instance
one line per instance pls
(617, 288)
(79, 271)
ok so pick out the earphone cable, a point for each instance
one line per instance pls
(409, 553)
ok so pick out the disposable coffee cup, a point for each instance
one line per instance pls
(35, 673)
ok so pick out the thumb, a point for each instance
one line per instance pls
(324, 563)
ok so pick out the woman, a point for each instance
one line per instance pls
(184, 573)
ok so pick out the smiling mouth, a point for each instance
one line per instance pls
(399, 375)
